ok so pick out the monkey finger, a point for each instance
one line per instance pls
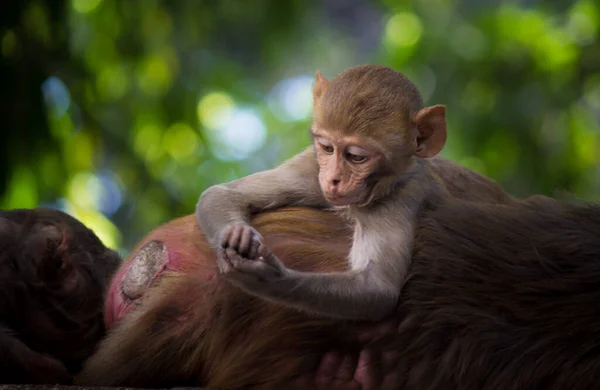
(225, 235)
(253, 252)
(264, 251)
(389, 359)
(262, 270)
(231, 258)
(223, 262)
(247, 233)
(234, 239)
(269, 257)
(328, 368)
(257, 268)
(220, 259)
(235, 260)
(347, 369)
(368, 370)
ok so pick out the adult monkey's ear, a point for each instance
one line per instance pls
(50, 250)
(431, 127)
(320, 86)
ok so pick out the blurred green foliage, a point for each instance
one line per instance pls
(123, 112)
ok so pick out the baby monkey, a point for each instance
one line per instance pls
(371, 136)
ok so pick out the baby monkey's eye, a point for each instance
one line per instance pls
(327, 148)
(356, 158)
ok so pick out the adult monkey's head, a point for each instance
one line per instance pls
(499, 297)
(53, 275)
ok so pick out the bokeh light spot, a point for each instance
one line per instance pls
(403, 29)
(181, 141)
(478, 97)
(111, 195)
(591, 91)
(21, 190)
(148, 142)
(100, 52)
(555, 52)
(36, 21)
(106, 231)
(91, 192)
(243, 134)
(586, 145)
(500, 152)
(81, 151)
(469, 42)
(474, 163)
(291, 99)
(50, 169)
(584, 132)
(56, 96)
(583, 20)
(154, 76)
(9, 43)
(112, 82)
(85, 6)
(62, 128)
(215, 109)
(78, 190)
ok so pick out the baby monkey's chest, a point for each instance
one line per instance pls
(378, 239)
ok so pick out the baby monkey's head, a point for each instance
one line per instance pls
(368, 124)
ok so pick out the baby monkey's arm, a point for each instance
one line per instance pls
(379, 263)
(224, 211)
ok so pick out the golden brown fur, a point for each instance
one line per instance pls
(382, 100)
(192, 339)
(500, 297)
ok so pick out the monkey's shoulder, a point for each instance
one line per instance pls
(464, 183)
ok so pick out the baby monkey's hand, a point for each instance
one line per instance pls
(259, 276)
(243, 239)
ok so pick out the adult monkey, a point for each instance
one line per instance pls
(500, 296)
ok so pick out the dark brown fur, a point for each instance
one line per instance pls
(53, 273)
(500, 297)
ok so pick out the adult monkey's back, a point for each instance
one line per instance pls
(500, 297)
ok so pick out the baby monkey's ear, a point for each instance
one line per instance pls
(320, 86)
(431, 125)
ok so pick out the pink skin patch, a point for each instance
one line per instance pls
(127, 287)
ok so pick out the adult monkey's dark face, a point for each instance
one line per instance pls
(53, 274)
